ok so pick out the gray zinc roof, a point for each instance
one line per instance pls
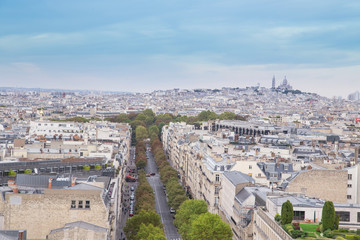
(236, 177)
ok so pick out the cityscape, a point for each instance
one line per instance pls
(218, 120)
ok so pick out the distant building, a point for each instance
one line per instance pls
(273, 83)
(354, 96)
(285, 85)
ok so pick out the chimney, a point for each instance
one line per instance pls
(50, 181)
(21, 235)
(73, 181)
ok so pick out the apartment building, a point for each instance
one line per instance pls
(41, 210)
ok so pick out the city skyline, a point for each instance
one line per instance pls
(158, 45)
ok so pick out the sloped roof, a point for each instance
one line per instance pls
(236, 177)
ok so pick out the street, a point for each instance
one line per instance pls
(161, 205)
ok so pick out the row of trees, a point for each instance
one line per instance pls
(195, 222)
(168, 176)
(140, 155)
(145, 199)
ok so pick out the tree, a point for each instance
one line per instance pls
(140, 117)
(209, 226)
(149, 113)
(153, 132)
(141, 133)
(337, 220)
(154, 129)
(287, 213)
(328, 216)
(227, 116)
(134, 124)
(187, 211)
(178, 200)
(207, 115)
(133, 224)
(150, 232)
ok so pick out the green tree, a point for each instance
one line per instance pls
(150, 232)
(140, 117)
(287, 213)
(337, 220)
(153, 132)
(12, 173)
(328, 216)
(149, 113)
(149, 120)
(207, 115)
(141, 133)
(227, 116)
(187, 211)
(133, 224)
(178, 200)
(121, 118)
(134, 124)
(209, 226)
(154, 129)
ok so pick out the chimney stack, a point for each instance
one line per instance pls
(73, 181)
(356, 157)
(50, 181)
(21, 235)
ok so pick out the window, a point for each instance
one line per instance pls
(349, 176)
(344, 216)
(358, 218)
(259, 174)
(349, 185)
(216, 190)
(250, 166)
(217, 178)
(274, 175)
(348, 196)
(87, 204)
(80, 204)
(216, 201)
(286, 167)
(73, 204)
(299, 215)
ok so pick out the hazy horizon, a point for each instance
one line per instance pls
(141, 46)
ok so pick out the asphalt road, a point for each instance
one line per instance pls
(161, 205)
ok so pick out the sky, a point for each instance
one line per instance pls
(141, 46)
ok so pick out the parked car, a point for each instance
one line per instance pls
(152, 174)
(172, 211)
(132, 188)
